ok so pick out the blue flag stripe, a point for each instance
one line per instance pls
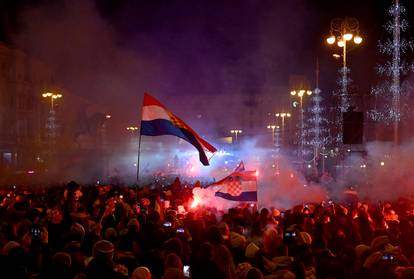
(160, 127)
(244, 196)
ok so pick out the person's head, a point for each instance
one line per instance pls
(380, 242)
(214, 235)
(173, 261)
(62, 259)
(77, 232)
(141, 273)
(172, 245)
(237, 241)
(133, 225)
(304, 239)
(224, 230)
(319, 243)
(104, 250)
(110, 234)
(9, 246)
(264, 214)
(206, 252)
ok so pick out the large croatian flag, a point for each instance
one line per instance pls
(238, 186)
(157, 120)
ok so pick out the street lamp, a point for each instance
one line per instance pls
(272, 127)
(236, 132)
(301, 93)
(52, 97)
(51, 121)
(104, 145)
(132, 129)
(342, 31)
(283, 115)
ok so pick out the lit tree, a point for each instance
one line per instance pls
(317, 131)
(343, 103)
(390, 93)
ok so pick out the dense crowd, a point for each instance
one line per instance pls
(73, 231)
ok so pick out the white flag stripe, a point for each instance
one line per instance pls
(154, 112)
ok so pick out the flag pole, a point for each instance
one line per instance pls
(139, 153)
(138, 156)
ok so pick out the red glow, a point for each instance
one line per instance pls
(195, 202)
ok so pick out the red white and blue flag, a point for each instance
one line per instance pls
(157, 120)
(238, 186)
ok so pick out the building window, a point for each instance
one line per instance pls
(7, 157)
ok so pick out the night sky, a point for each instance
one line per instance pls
(113, 50)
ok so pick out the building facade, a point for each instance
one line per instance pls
(22, 80)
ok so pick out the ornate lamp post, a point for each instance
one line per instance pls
(343, 31)
(236, 132)
(51, 125)
(301, 93)
(282, 115)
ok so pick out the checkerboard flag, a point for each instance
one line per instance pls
(238, 186)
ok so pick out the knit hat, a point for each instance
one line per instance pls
(110, 233)
(133, 223)
(241, 269)
(379, 242)
(360, 249)
(304, 238)
(173, 261)
(141, 273)
(62, 259)
(251, 250)
(9, 246)
(103, 248)
(77, 229)
(275, 212)
(237, 240)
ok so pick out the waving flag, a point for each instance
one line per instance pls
(238, 186)
(157, 120)
(240, 167)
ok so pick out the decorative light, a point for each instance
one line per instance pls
(331, 39)
(341, 43)
(347, 36)
(357, 39)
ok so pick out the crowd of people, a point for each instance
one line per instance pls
(73, 231)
